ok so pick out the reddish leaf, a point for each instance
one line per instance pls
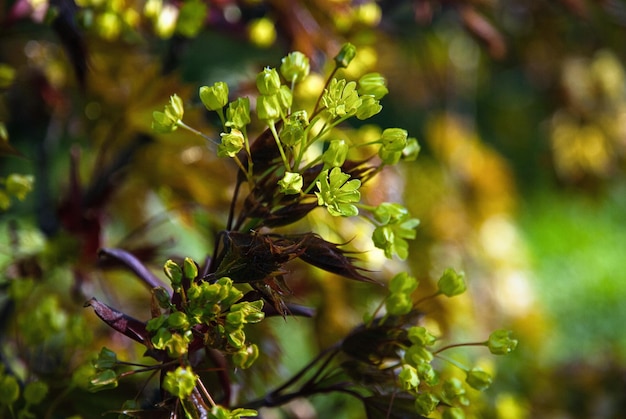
(129, 326)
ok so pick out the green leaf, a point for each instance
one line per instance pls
(106, 359)
(103, 380)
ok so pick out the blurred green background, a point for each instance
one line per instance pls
(520, 109)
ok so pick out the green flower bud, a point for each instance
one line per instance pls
(237, 338)
(103, 380)
(178, 344)
(398, 304)
(425, 403)
(238, 113)
(284, 98)
(373, 84)
(369, 107)
(162, 123)
(161, 296)
(402, 283)
(35, 392)
(106, 359)
(427, 373)
(178, 320)
(175, 109)
(501, 343)
(412, 150)
(268, 81)
(392, 238)
(190, 269)
(231, 144)
(161, 338)
(346, 55)
(268, 108)
(235, 320)
(173, 272)
(9, 390)
(293, 130)
(394, 139)
(408, 377)
(453, 413)
(420, 336)
(389, 157)
(246, 357)
(295, 67)
(451, 283)
(478, 379)
(336, 153)
(417, 354)
(180, 382)
(291, 183)
(452, 389)
(214, 97)
(19, 185)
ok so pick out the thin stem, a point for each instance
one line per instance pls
(206, 393)
(272, 127)
(195, 131)
(458, 345)
(428, 297)
(330, 77)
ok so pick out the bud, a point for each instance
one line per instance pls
(408, 377)
(368, 108)
(478, 379)
(173, 272)
(284, 97)
(417, 354)
(291, 183)
(103, 380)
(231, 144)
(501, 343)
(175, 110)
(214, 97)
(336, 153)
(180, 382)
(293, 130)
(402, 283)
(390, 213)
(178, 320)
(411, 151)
(345, 55)
(35, 392)
(420, 336)
(19, 185)
(246, 357)
(106, 359)
(451, 283)
(238, 113)
(389, 157)
(394, 139)
(190, 269)
(295, 67)
(373, 84)
(427, 373)
(267, 108)
(268, 81)
(425, 403)
(398, 304)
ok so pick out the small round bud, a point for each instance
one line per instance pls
(420, 336)
(425, 403)
(478, 379)
(501, 343)
(291, 183)
(295, 67)
(238, 113)
(368, 108)
(268, 81)
(403, 283)
(267, 108)
(394, 139)
(373, 84)
(408, 377)
(346, 55)
(451, 283)
(173, 272)
(398, 304)
(336, 153)
(231, 144)
(180, 382)
(214, 97)
(190, 269)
